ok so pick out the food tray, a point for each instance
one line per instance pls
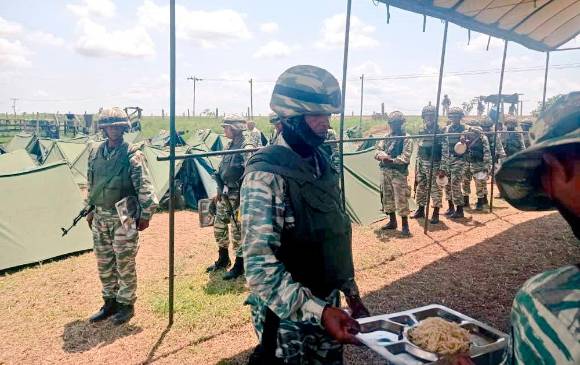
(387, 336)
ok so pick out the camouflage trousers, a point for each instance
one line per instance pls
(223, 219)
(423, 181)
(453, 191)
(480, 185)
(116, 250)
(300, 342)
(395, 192)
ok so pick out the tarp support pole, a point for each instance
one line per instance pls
(171, 155)
(439, 85)
(344, 68)
(545, 80)
(497, 118)
(362, 88)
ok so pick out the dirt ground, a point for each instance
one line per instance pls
(474, 266)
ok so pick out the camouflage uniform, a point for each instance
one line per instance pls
(114, 246)
(394, 187)
(453, 165)
(423, 167)
(513, 142)
(479, 159)
(333, 149)
(526, 125)
(254, 137)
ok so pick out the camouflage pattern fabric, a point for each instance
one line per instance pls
(474, 167)
(423, 180)
(545, 319)
(395, 192)
(454, 166)
(335, 152)
(254, 137)
(115, 249)
(265, 211)
(223, 219)
(513, 143)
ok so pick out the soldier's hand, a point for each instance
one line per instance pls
(340, 325)
(89, 218)
(143, 224)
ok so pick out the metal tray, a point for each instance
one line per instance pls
(387, 335)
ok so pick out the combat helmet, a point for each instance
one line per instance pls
(306, 90)
(526, 124)
(519, 176)
(455, 112)
(428, 110)
(238, 123)
(510, 120)
(114, 117)
(486, 122)
(396, 117)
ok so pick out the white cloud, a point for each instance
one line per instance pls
(206, 28)
(479, 43)
(269, 27)
(97, 41)
(332, 33)
(45, 38)
(273, 49)
(8, 28)
(90, 8)
(13, 54)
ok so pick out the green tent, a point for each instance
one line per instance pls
(133, 137)
(16, 161)
(35, 205)
(21, 141)
(159, 170)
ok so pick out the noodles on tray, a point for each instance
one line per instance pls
(440, 336)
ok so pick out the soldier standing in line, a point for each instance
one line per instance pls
(467, 174)
(254, 135)
(394, 156)
(453, 164)
(276, 123)
(513, 142)
(117, 171)
(296, 235)
(229, 180)
(332, 149)
(526, 125)
(446, 103)
(478, 157)
(487, 125)
(429, 115)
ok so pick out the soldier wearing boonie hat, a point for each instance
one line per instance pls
(276, 123)
(512, 142)
(545, 176)
(297, 236)
(454, 164)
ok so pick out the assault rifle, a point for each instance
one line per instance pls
(226, 200)
(83, 213)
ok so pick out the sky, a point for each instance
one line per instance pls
(80, 55)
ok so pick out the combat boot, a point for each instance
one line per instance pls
(458, 213)
(236, 271)
(405, 226)
(124, 314)
(392, 222)
(466, 201)
(435, 216)
(223, 261)
(107, 310)
(419, 213)
(451, 209)
(479, 204)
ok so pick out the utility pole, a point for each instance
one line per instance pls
(14, 105)
(251, 99)
(195, 80)
(362, 87)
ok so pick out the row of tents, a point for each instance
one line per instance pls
(42, 186)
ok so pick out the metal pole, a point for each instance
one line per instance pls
(432, 163)
(362, 88)
(493, 155)
(545, 80)
(194, 81)
(251, 99)
(344, 67)
(172, 154)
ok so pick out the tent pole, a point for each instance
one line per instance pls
(344, 67)
(545, 80)
(499, 107)
(362, 88)
(440, 83)
(171, 155)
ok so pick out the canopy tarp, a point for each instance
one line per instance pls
(65, 151)
(542, 25)
(505, 98)
(133, 137)
(16, 161)
(35, 205)
(21, 141)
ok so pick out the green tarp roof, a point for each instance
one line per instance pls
(20, 141)
(159, 170)
(35, 205)
(16, 161)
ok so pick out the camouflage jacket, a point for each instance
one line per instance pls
(486, 163)
(140, 177)
(513, 143)
(447, 153)
(404, 158)
(254, 137)
(499, 150)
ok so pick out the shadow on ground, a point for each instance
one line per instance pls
(80, 336)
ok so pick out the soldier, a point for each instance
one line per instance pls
(429, 115)
(546, 309)
(229, 179)
(446, 103)
(526, 124)
(453, 164)
(478, 157)
(394, 156)
(276, 123)
(296, 235)
(332, 149)
(117, 170)
(253, 134)
(513, 142)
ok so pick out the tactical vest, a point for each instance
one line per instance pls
(426, 147)
(231, 168)
(317, 250)
(476, 151)
(395, 148)
(513, 144)
(111, 179)
(454, 139)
